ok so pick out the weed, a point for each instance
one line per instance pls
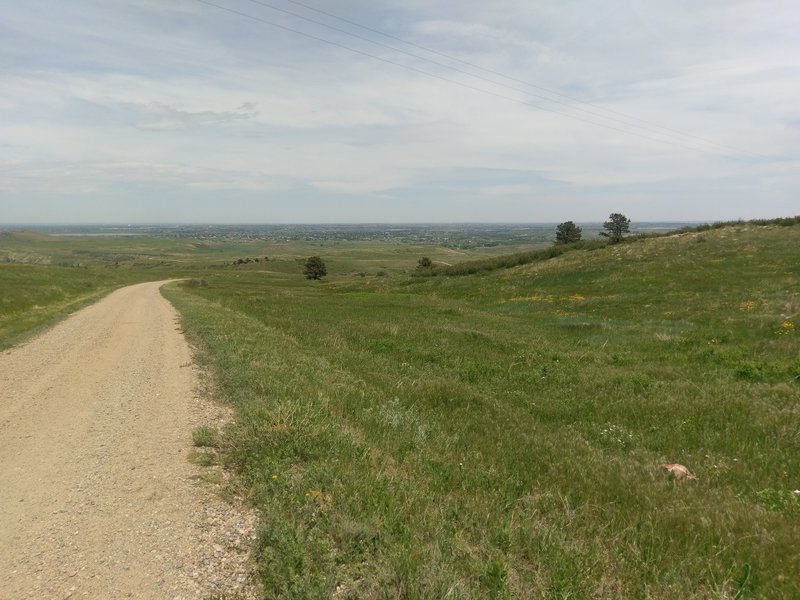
(205, 437)
(211, 478)
(779, 500)
(202, 459)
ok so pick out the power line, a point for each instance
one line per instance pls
(455, 82)
(651, 124)
(657, 130)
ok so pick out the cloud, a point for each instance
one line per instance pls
(104, 97)
(161, 117)
(499, 191)
(367, 184)
(466, 31)
(70, 178)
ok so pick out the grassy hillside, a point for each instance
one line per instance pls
(500, 435)
(45, 277)
(32, 297)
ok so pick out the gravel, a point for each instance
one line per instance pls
(97, 496)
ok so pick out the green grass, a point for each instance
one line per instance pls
(201, 458)
(500, 435)
(507, 261)
(497, 435)
(205, 437)
(44, 278)
(33, 297)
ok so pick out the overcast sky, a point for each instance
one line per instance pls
(178, 111)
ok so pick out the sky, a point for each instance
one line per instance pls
(253, 111)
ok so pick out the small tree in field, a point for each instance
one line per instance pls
(616, 227)
(424, 263)
(315, 268)
(567, 233)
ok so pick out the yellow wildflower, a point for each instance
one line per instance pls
(322, 500)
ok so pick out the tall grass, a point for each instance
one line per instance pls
(501, 436)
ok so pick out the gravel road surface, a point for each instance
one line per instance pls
(97, 497)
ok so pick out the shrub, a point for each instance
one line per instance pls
(315, 268)
(507, 261)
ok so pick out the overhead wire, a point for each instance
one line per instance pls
(656, 130)
(460, 83)
(515, 79)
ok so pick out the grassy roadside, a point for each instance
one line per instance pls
(500, 435)
(34, 297)
(45, 278)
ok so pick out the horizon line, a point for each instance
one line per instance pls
(126, 224)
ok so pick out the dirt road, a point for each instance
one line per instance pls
(97, 498)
